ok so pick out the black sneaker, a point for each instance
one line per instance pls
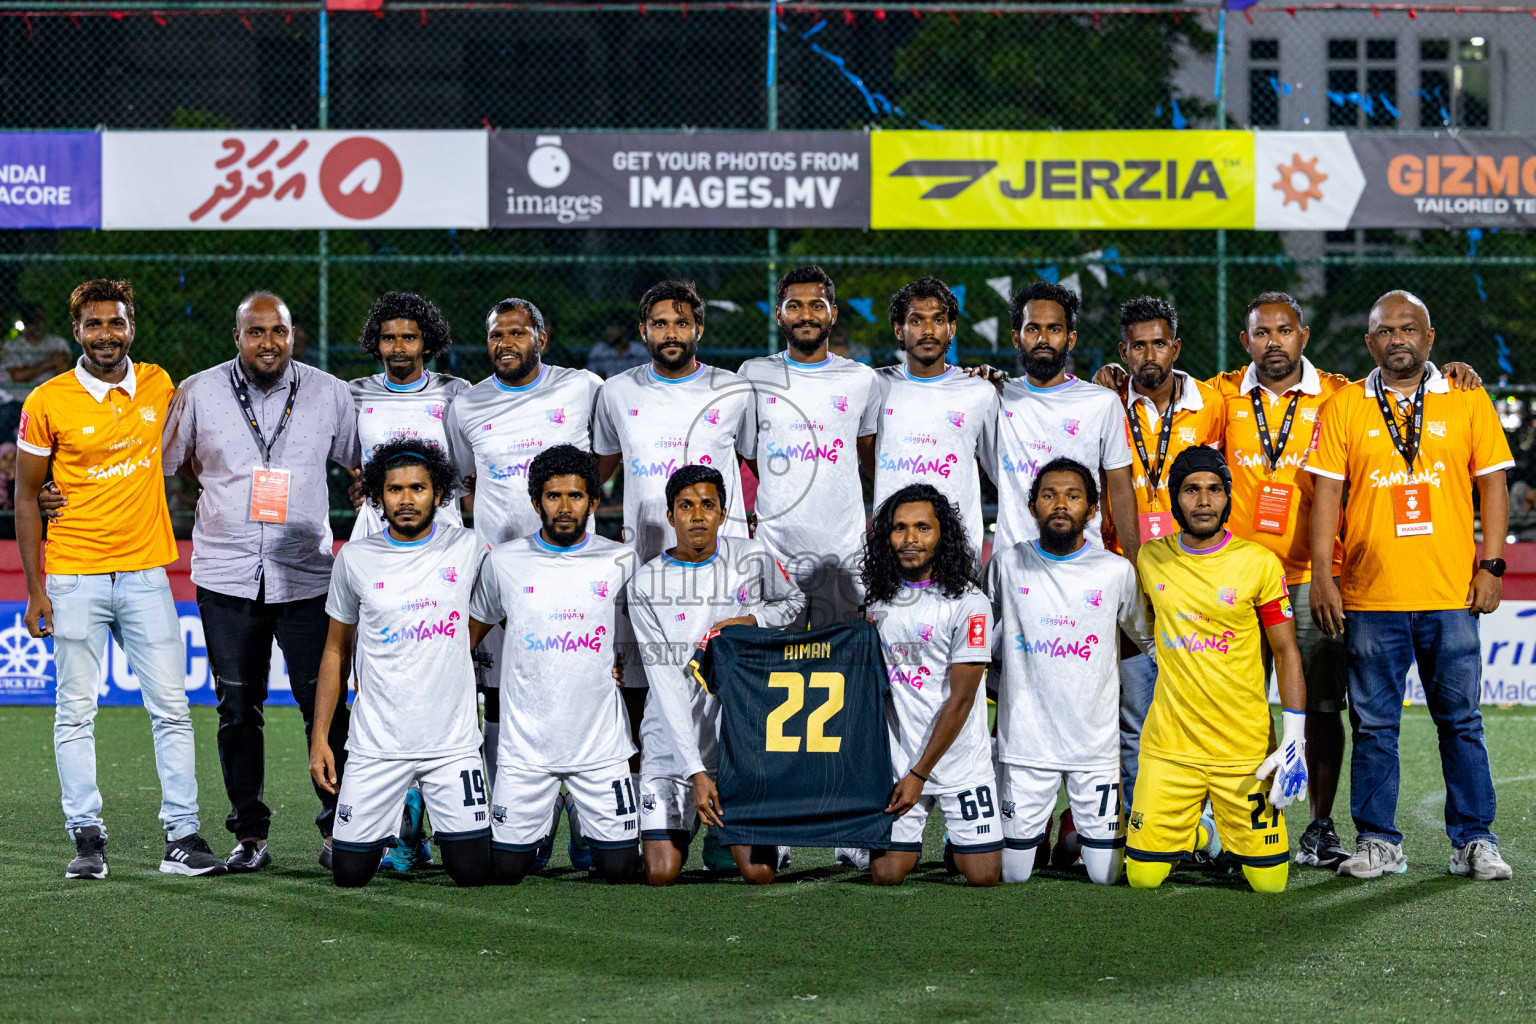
(90, 854)
(247, 857)
(1320, 846)
(190, 855)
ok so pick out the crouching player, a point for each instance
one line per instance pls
(560, 594)
(677, 600)
(402, 597)
(936, 629)
(1209, 730)
(1061, 602)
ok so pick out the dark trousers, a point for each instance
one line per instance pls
(238, 633)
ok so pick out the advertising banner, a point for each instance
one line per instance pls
(50, 180)
(1046, 180)
(294, 179)
(1326, 181)
(27, 677)
(679, 180)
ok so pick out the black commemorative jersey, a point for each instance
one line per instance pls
(804, 755)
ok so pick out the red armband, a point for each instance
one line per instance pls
(1276, 611)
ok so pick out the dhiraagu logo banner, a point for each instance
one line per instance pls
(1043, 180)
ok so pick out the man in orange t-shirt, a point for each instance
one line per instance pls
(98, 427)
(1409, 448)
(1167, 411)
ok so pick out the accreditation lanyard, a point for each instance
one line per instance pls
(1407, 447)
(1165, 433)
(243, 396)
(1273, 448)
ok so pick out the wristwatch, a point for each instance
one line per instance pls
(1495, 566)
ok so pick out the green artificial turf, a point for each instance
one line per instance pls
(821, 945)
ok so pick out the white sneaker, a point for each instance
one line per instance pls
(1480, 859)
(783, 859)
(1373, 858)
(849, 857)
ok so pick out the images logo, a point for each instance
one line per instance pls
(840, 403)
(599, 589)
(1093, 598)
(956, 420)
(555, 416)
(712, 417)
(1070, 427)
(1227, 595)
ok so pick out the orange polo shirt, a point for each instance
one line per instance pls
(1197, 419)
(1283, 523)
(1408, 542)
(104, 440)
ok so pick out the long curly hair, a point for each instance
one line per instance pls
(956, 568)
(409, 451)
(435, 337)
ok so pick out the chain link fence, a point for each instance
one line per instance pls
(580, 66)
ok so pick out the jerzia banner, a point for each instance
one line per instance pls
(928, 180)
(1043, 180)
(683, 180)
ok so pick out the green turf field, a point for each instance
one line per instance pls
(822, 945)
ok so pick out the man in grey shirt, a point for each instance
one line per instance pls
(256, 431)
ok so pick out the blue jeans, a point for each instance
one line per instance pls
(1138, 681)
(1445, 643)
(136, 608)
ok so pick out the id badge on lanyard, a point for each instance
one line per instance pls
(269, 494)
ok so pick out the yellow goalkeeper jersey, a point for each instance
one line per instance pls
(1211, 705)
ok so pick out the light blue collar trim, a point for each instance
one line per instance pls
(949, 370)
(658, 378)
(413, 386)
(538, 539)
(796, 364)
(1062, 558)
(411, 543)
(666, 556)
(1071, 380)
(526, 387)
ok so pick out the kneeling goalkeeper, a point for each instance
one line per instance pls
(1209, 732)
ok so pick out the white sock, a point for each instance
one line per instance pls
(492, 733)
(1018, 865)
(1103, 865)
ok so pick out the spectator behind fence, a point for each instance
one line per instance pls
(617, 352)
(30, 358)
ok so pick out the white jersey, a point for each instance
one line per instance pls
(923, 633)
(661, 425)
(411, 605)
(810, 504)
(672, 605)
(1058, 630)
(1074, 420)
(560, 709)
(932, 431)
(386, 411)
(497, 430)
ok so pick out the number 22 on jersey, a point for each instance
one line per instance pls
(816, 739)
